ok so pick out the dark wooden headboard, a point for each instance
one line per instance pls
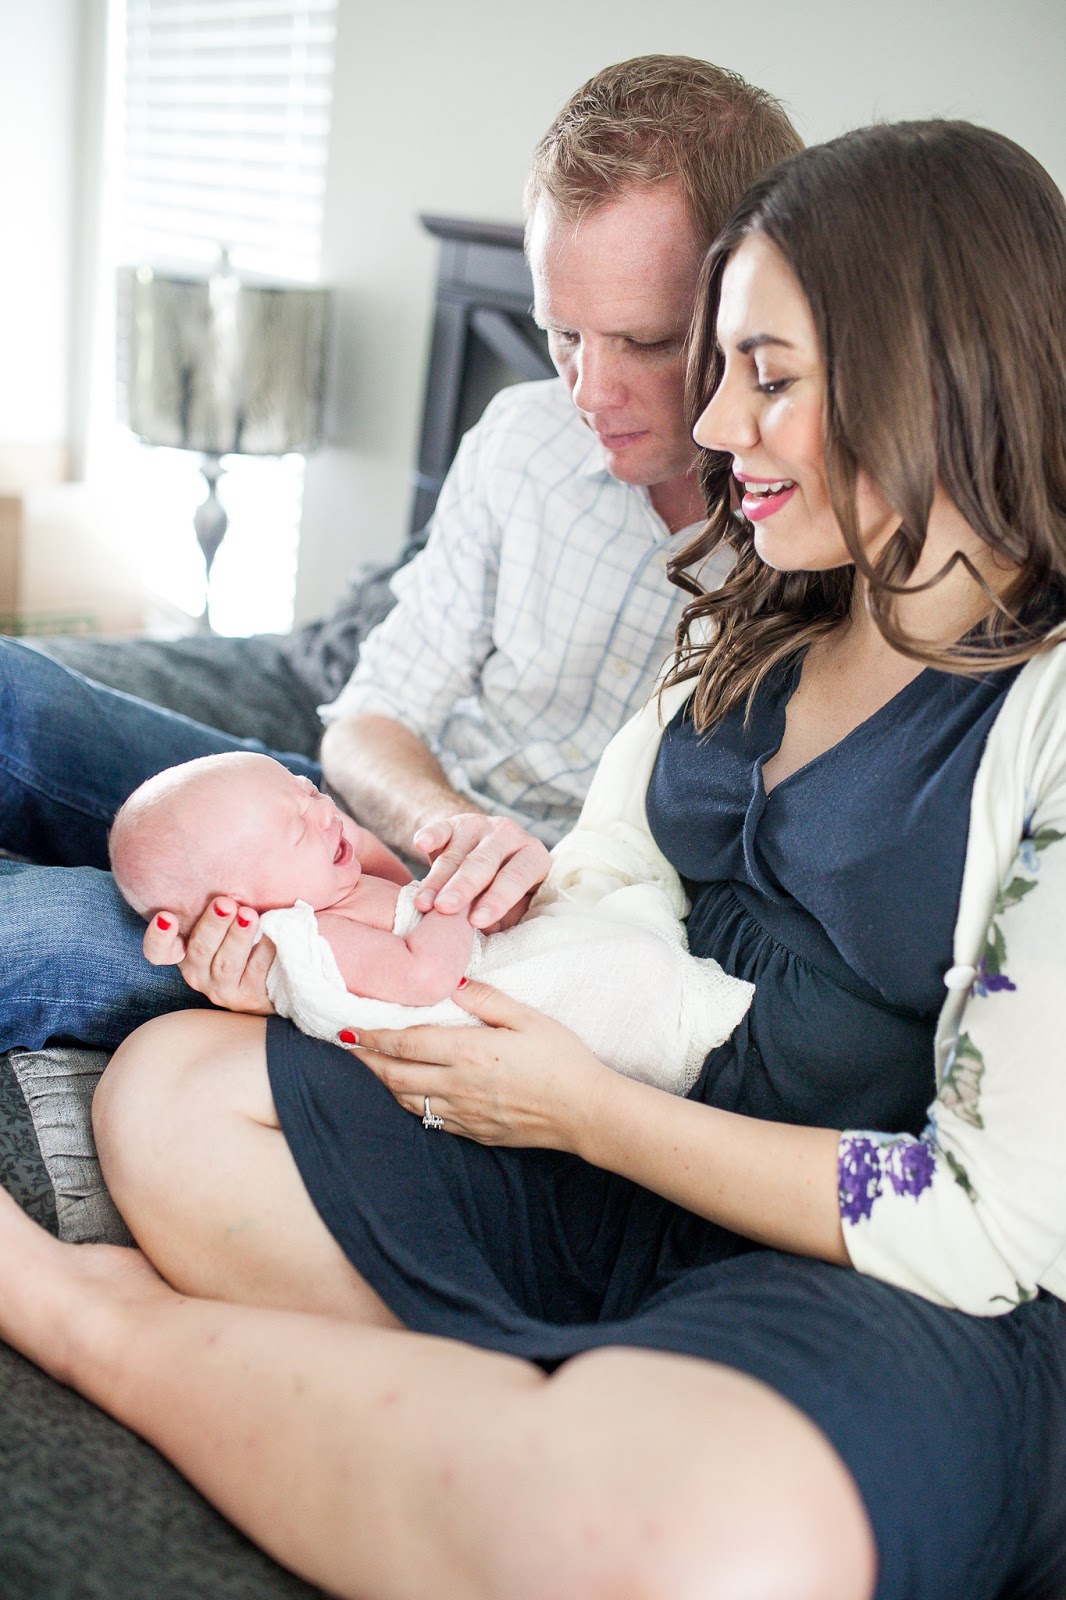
(483, 338)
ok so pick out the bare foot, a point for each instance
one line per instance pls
(60, 1304)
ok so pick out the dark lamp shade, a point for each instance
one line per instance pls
(221, 365)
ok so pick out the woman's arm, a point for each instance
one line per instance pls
(973, 1213)
(526, 1080)
(770, 1181)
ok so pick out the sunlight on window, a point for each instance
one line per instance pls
(263, 499)
(218, 118)
(253, 579)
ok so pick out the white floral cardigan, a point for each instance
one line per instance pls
(973, 1213)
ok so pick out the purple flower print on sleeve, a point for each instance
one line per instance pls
(864, 1163)
(858, 1176)
(910, 1165)
(988, 982)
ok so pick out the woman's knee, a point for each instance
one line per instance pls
(670, 1479)
(163, 1090)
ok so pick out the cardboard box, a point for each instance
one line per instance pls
(10, 547)
(63, 565)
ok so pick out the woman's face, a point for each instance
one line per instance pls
(768, 413)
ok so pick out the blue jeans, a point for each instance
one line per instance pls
(71, 965)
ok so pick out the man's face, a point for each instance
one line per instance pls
(615, 294)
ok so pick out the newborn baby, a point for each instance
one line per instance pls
(354, 952)
(243, 825)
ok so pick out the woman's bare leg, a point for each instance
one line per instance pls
(192, 1153)
(388, 1466)
(381, 1463)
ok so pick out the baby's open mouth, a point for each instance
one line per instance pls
(343, 854)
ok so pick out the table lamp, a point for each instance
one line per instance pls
(223, 365)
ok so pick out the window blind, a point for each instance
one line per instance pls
(225, 132)
(221, 123)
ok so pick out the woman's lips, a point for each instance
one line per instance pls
(762, 498)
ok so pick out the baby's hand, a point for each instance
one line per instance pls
(220, 958)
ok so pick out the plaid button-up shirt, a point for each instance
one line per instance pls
(536, 619)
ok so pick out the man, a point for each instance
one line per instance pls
(539, 615)
(532, 626)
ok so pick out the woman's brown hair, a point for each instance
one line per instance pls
(933, 256)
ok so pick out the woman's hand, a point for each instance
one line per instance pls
(522, 1080)
(219, 958)
(487, 864)
(525, 1080)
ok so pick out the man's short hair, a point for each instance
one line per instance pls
(653, 118)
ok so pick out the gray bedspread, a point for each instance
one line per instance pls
(87, 1510)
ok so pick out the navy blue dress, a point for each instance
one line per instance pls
(836, 895)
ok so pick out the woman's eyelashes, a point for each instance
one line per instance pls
(774, 385)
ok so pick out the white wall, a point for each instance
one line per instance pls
(438, 105)
(38, 151)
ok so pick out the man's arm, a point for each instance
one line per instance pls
(394, 784)
(388, 778)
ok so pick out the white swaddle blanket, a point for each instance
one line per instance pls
(616, 970)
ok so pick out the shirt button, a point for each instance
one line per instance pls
(959, 977)
(513, 774)
(621, 667)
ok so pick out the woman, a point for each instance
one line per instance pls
(615, 1343)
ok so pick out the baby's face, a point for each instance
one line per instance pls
(278, 840)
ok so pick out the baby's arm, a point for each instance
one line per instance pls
(417, 970)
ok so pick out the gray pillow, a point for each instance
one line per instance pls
(22, 1170)
(57, 1085)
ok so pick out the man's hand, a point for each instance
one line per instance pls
(391, 781)
(218, 958)
(487, 864)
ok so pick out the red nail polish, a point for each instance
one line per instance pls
(163, 922)
(346, 1036)
(219, 911)
(244, 922)
(462, 983)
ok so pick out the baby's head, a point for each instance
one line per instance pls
(236, 824)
